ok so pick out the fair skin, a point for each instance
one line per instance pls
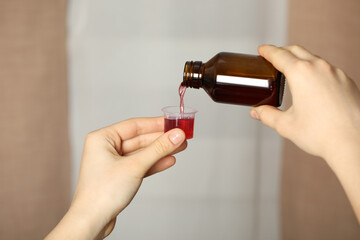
(324, 120)
(115, 161)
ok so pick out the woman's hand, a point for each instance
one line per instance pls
(325, 111)
(115, 160)
(324, 119)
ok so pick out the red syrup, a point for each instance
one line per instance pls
(183, 122)
(182, 90)
(186, 124)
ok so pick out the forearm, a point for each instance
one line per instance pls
(346, 165)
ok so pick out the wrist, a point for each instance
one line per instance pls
(343, 152)
(77, 224)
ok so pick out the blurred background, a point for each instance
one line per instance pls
(126, 60)
(70, 67)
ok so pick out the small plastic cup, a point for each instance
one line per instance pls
(175, 119)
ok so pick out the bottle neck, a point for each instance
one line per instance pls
(193, 74)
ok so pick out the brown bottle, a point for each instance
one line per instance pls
(237, 79)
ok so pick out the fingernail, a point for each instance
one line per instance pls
(254, 114)
(176, 137)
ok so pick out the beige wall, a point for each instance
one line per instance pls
(34, 152)
(314, 205)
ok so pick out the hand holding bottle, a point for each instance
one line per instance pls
(115, 160)
(324, 119)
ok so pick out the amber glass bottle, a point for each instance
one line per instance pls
(237, 79)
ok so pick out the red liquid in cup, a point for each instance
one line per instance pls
(183, 122)
(186, 124)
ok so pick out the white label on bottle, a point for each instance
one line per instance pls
(253, 82)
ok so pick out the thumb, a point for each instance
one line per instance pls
(160, 148)
(268, 115)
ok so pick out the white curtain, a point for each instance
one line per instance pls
(126, 60)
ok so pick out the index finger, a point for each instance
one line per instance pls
(137, 126)
(280, 58)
